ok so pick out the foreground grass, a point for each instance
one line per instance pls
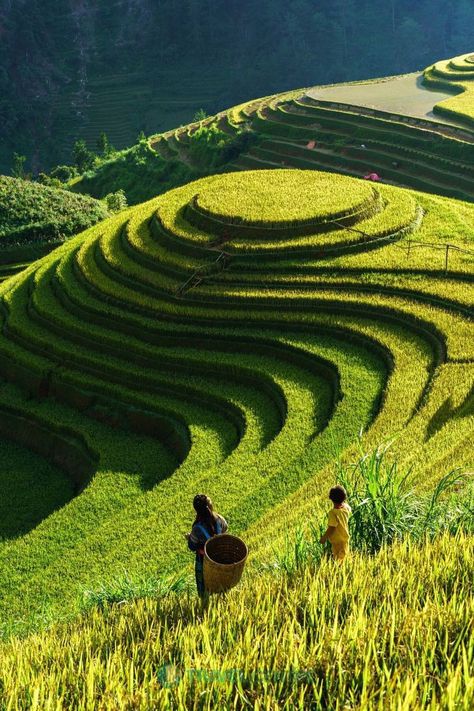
(392, 631)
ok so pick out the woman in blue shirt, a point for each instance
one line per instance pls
(208, 523)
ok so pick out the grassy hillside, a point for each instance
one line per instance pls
(208, 340)
(391, 632)
(30, 211)
(35, 218)
(297, 130)
(30, 489)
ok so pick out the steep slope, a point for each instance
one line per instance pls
(355, 129)
(71, 70)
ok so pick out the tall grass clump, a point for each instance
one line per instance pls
(386, 508)
(131, 587)
(386, 505)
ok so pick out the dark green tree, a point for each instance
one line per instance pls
(83, 158)
(18, 166)
(63, 173)
(116, 201)
(104, 147)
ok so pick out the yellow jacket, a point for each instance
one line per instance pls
(339, 519)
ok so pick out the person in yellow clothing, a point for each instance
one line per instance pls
(337, 532)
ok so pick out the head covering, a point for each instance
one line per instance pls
(372, 176)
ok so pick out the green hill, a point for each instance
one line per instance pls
(262, 334)
(35, 218)
(457, 76)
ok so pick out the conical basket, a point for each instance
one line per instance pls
(224, 561)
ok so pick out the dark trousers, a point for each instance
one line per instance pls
(199, 570)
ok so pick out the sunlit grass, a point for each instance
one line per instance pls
(392, 631)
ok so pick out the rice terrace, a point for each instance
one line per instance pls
(242, 315)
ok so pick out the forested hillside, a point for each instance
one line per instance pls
(73, 69)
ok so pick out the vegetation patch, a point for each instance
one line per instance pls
(31, 489)
(280, 198)
(30, 212)
(299, 130)
(322, 633)
(266, 325)
(139, 171)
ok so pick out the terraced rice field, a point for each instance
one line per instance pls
(231, 338)
(456, 75)
(388, 131)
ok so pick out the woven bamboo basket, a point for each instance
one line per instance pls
(224, 562)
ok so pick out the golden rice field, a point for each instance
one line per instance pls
(394, 632)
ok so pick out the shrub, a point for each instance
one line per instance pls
(206, 146)
(83, 157)
(116, 201)
(211, 147)
(45, 179)
(64, 173)
(104, 147)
